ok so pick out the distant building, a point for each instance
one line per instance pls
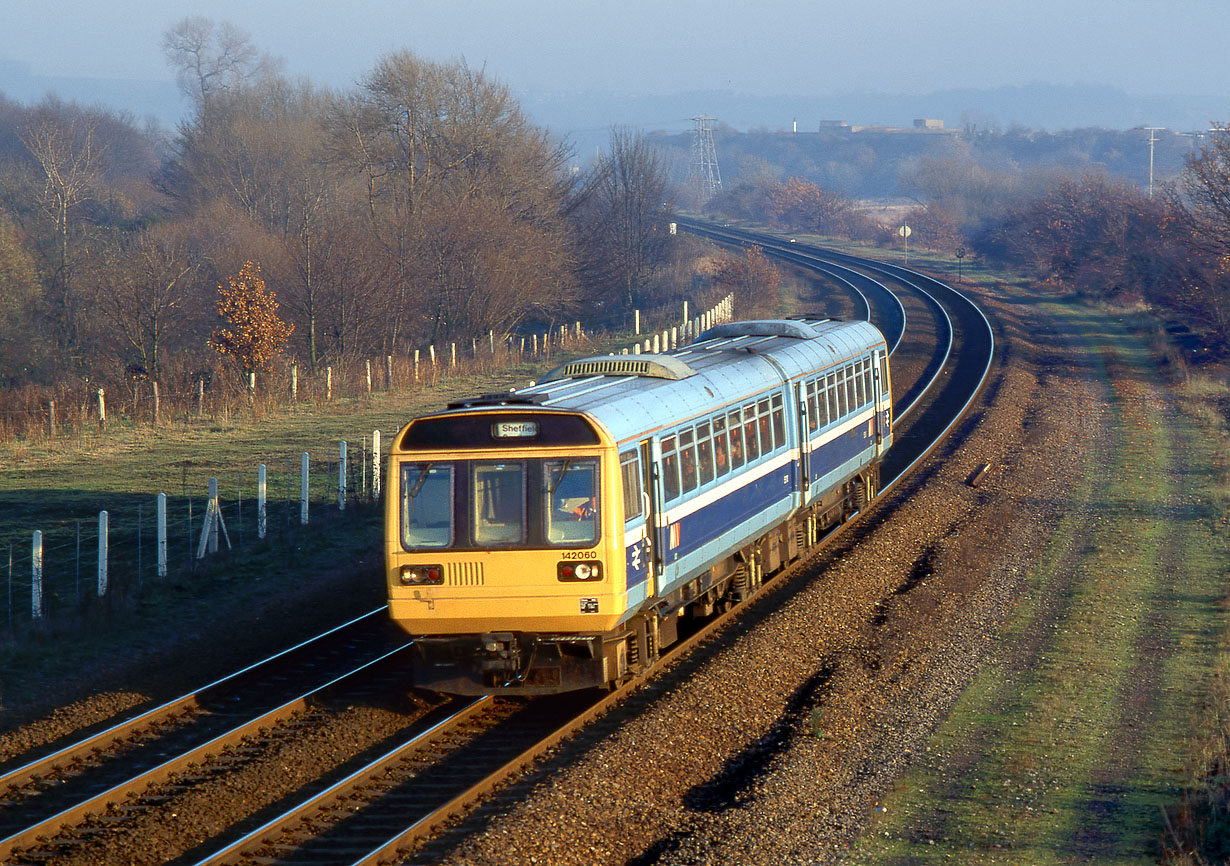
(928, 123)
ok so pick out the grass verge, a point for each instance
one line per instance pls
(1070, 745)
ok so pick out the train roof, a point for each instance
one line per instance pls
(633, 395)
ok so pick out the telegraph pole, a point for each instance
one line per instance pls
(1152, 138)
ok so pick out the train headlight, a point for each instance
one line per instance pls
(422, 575)
(570, 571)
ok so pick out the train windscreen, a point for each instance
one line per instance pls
(483, 504)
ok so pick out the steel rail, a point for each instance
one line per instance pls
(807, 256)
(162, 772)
(339, 790)
(33, 770)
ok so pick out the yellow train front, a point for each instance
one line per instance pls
(503, 514)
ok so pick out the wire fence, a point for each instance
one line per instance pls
(55, 575)
(58, 574)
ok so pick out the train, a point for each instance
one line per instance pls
(554, 537)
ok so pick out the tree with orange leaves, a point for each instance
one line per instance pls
(257, 335)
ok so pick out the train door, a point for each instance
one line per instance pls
(655, 530)
(877, 387)
(804, 476)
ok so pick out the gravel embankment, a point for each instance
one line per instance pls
(776, 748)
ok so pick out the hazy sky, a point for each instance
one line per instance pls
(666, 46)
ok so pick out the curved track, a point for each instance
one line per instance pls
(453, 754)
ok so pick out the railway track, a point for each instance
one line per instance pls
(452, 755)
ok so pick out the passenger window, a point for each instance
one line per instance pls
(842, 407)
(630, 470)
(704, 452)
(851, 404)
(498, 503)
(735, 429)
(687, 461)
(779, 422)
(813, 407)
(762, 423)
(670, 469)
(830, 390)
(868, 385)
(750, 438)
(720, 448)
(427, 504)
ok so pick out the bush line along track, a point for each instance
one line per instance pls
(447, 764)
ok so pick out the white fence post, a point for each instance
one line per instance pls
(636, 318)
(211, 515)
(36, 575)
(103, 528)
(161, 507)
(303, 489)
(341, 476)
(261, 494)
(375, 464)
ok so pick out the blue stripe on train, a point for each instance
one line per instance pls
(703, 526)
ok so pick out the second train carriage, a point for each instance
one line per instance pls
(551, 538)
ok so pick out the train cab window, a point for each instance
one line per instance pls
(735, 429)
(750, 438)
(426, 504)
(830, 390)
(884, 374)
(851, 403)
(630, 470)
(670, 469)
(779, 422)
(721, 450)
(687, 461)
(572, 501)
(498, 503)
(704, 452)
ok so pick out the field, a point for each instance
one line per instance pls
(1092, 731)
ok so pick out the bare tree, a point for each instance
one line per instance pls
(1204, 213)
(442, 145)
(209, 57)
(61, 139)
(622, 217)
(144, 296)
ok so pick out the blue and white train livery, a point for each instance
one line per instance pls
(552, 538)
